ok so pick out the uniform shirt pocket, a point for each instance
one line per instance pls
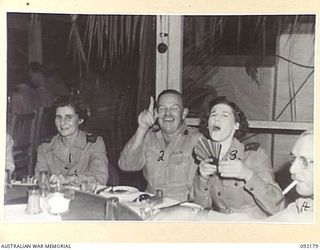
(154, 170)
(178, 169)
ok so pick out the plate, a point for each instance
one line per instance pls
(19, 183)
(120, 190)
(190, 204)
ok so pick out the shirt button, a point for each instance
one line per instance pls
(236, 184)
(205, 189)
(219, 194)
(251, 189)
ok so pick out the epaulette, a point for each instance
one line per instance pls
(47, 139)
(91, 137)
(252, 146)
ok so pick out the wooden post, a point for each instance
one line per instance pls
(169, 37)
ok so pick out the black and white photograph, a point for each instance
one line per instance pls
(151, 118)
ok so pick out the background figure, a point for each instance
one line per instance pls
(164, 152)
(24, 98)
(242, 179)
(39, 82)
(73, 156)
(9, 156)
(9, 166)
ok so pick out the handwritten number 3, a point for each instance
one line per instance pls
(233, 154)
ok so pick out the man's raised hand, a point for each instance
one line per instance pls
(148, 116)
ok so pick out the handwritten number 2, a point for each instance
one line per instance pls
(161, 155)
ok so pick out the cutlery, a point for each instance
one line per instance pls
(175, 205)
(102, 189)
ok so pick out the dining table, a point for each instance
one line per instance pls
(84, 206)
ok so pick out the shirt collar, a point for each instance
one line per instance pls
(80, 141)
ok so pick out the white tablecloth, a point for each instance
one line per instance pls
(16, 213)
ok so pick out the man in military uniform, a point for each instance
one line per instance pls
(302, 171)
(163, 151)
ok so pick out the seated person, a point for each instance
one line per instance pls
(243, 181)
(302, 210)
(9, 166)
(301, 171)
(165, 152)
(73, 156)
(9, 156)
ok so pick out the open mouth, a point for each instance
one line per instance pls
(216, 128)
(64, 129)
(169, 119)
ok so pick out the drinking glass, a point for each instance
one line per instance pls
(146, 209)
(111, 209)
(88, 186)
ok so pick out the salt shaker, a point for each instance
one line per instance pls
(33, 206)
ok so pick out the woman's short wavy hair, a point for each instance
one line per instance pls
(237, 112)
(81, 108)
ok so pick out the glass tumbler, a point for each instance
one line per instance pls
(88, 186)
(111, 209)
(146, 209)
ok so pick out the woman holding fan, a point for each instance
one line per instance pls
(233, 178)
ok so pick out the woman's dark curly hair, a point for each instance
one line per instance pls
(81, 108)
(237, 112)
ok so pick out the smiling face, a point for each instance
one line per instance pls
(67, 121)
(302, 167)
(221, 123)
(171, 113)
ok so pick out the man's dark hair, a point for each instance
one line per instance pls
(170, 91)
(239, 117)
(81, 108)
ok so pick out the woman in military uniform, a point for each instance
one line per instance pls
(243, 180)
(73, 156)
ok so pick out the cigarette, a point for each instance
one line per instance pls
(288, 188)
